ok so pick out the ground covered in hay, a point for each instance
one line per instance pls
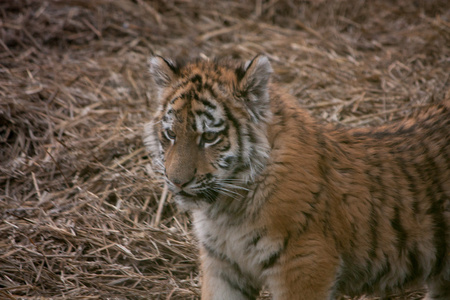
(82, 215)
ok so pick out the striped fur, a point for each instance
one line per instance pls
(305, 210)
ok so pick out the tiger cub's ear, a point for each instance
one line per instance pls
(253, 85)
(163, 72)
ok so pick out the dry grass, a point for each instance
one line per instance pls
(79, 215)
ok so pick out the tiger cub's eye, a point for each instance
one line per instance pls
(170, 134)
(209, 137)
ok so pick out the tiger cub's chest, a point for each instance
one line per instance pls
(245, 245)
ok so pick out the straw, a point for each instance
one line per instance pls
(82, 214)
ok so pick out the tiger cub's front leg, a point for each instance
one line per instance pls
(223, 280)
(306, 271)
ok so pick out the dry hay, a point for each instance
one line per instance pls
(78, 199)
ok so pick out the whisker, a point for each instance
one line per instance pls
(232, 180)
(228, 192)
(208, 194)
(233, 186)
(234, 197)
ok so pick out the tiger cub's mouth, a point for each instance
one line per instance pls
(208, 195)
(201, 193)
(186, 194)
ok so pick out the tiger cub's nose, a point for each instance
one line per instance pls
(181, 181)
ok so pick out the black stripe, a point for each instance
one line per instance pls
(411, 184)
(189, 95)
(322, 161)
(224, 131)
(213, 93)
(373, 217)
(197, 79)
(380, 274)
(269, 262)
(415, 269)
(242, 286)
(217, 255)
(206, 103)
(256, 238)
(445, 154)
(236, 124)
(240, 72)
(274, 257)
(402, 235)
(439, 236)
(305, 225)
(170, 98)
(225, 147)
(207, 114)
(174, 100)
(220, 123)
(354, 237)
(381, 188)
(373, 225)
(323, 167)
(378, 194)
(436, 210)
(241, 282)
(251, 134)
(226, 163)
(241, 168)
(208, 195)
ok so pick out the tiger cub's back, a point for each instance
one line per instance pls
(404, 235)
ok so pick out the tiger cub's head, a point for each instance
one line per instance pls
(208, 136)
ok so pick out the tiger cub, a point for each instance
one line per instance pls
(304, 210)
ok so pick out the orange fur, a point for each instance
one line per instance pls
(309, 211)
